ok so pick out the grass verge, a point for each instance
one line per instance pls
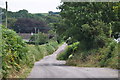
(108, 56)
(35, 53)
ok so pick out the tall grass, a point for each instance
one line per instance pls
(69, 52)
(108, 56)
(37, 52)
(19, 57)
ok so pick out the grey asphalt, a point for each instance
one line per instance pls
(49, 67)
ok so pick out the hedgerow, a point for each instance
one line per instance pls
(17, 56)
(13, 52)
(108, 56)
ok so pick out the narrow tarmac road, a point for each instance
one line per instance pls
(49, 67)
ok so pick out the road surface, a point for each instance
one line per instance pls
(49, 67)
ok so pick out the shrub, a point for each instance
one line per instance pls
(50, 49)
(71, 49)
(54, 44)
(107, 56)
(37, 52)
(40, 38)
(17, 55)
(14, 51)
(110, 56)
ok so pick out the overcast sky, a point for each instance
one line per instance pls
(33, 6)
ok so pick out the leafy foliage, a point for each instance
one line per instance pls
(38, 52)
(26, 25)
(94, 26)
(16, 55)
(14, 51)
(71, 49)
(25, 22)
(102, 57)
(85, 21)
(40, 38)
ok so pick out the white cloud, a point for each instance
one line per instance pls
(33, 6)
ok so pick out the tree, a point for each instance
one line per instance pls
(27, 25)
(87, 22)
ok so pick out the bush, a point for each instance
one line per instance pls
(50, 49)
(54, 44)
(17, 55)
(14, 52)
(37, 52)
(71, 49)
(40, 38)
(107, 56)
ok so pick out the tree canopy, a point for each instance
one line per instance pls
(25, 22)
(90, 23)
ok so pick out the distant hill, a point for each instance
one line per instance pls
(25, 22)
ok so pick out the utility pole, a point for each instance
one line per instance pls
(6, 12)
(19, 31)
(35, 36)
(38, 36)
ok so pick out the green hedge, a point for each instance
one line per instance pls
(40, 38)
(37, 52)
(17, 56)
(13, 53)
(70, 50)
(107, 56)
